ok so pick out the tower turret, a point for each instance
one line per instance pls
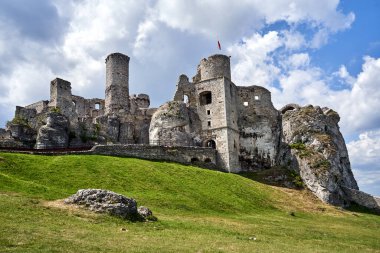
(217, 65)
(117, 83)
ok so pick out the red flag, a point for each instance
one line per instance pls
(220, 48)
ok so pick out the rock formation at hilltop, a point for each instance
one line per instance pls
(314, 146)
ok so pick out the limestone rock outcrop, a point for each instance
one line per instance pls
(314, 146)
(55, 133)
(104, 201)
(174, 124)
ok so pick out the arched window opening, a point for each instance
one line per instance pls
(194, 159)
(207, 160)
(205, 98)
(186, 99)
(211, 144)
(288, 108)
(97, 106)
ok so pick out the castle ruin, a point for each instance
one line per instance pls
(210, 120)
(241, 123)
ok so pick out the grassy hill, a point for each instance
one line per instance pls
(198, 210)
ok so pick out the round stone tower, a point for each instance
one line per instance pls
(117, 83)
(217, 65)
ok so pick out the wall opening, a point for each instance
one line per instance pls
(288, 108)
(245, 103)
(97, 106)
(257, 97)
(194, 159)
(211, 144)
(208, 112)
(209, 123)
(186, 99)
(205, 98)
(207, 160)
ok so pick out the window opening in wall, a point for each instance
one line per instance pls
(208, 112)
(209, 123)
(97, 106)
(257, 97)
(74, 104)
(205, 98)
(211, 144)
(194, 159)
(207, 160)
(245, 103)
(186, 99)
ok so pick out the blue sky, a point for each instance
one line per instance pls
(324, 52)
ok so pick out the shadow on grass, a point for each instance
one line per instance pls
(361, 209)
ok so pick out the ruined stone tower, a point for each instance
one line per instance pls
(60, 95)
(215, 110)
(117, 83)
(239, 122)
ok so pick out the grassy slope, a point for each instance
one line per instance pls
(198, 210)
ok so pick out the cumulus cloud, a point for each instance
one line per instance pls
(345, 77)
(252, 59)
(366, 150)
(230, 18)
(365, 159)
(293, 39)
(264, 60)
(299, 60)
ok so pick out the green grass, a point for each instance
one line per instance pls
(198, 210)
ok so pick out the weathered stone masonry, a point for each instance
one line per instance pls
(240, 122)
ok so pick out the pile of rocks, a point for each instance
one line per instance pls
(104, 201)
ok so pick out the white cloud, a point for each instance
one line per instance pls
(32, 74)
(366, 150)
(320, 38)
(293, 39)
(345, 76)
(368, 180)
(299, 60)
(253, 61)
(228, 19)
(264, 60)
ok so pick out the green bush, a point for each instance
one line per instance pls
(55, 109)
(297, 180)
(323, 163)
(298, 146)
(18, 120)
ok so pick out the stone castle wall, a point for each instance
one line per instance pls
(185, 155)
(259, 126)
